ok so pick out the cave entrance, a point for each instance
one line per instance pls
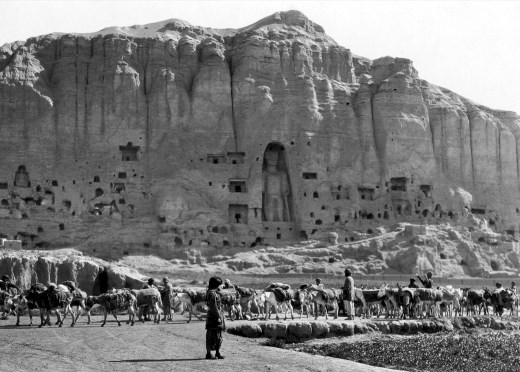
(129, 152)
(238, 213)
(398, 184)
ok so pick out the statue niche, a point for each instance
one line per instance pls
(21, 177)
(276, 191)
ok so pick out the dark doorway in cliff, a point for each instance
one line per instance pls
(118, 188)
(238, 213)
(101, 282)
(398, 184)
(129, 152)
(366, 193)
(216, 158)
(277, 203)
(426, 190)
(237, 185)
(236, 157)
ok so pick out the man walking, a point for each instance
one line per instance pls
(427, 282)
(349, 294)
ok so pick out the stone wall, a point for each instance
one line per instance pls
(302, 330)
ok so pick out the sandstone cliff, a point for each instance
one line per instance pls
(89, 274)
(156, 137)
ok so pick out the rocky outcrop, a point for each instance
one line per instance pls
(90, 275)
(447, 251)
(155, 136)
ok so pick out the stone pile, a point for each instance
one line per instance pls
(301, 330)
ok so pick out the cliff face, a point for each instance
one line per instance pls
(157, 135)
(89, 274)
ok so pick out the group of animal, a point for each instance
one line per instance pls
(399, 302)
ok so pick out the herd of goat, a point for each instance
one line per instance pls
(240, 302)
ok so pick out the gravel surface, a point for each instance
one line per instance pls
(175, 346)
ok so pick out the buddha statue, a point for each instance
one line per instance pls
(276, 190)
(21, 177)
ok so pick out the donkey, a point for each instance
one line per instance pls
(52, 299)
(114, 302)
(322, 297)
(192, 298)
(282, 297)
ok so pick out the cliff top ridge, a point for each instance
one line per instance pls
(292, 21)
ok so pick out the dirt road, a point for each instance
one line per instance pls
(174, 346)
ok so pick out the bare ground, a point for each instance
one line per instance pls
(168, 346)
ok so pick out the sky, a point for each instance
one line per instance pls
(470, 47)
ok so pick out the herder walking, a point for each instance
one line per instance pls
(215, 321)
(349, 294)
(427, 282)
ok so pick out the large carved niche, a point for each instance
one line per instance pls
(277, 198)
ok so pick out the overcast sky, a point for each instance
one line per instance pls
(470, 47)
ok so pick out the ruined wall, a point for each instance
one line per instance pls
(155, 136)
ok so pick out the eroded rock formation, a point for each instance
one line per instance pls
(157, 136)
(91, 275)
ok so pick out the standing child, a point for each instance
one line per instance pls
(215, 322)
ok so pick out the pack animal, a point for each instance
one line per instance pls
(281, 296)
(322, 297)
(247, 298)
(20, 303)
(451, 298)
(427, 298)
(52, 298)
(475, 300)
(501, 299)
(148, 298)
(192, 298)
(113, 303)
(78, 299)
(231, 300)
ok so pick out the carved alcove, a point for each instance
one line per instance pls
(129, 152)
(277, 195)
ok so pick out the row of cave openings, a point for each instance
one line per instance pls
(340, 192)
(22, 180)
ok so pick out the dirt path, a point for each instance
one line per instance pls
(175, 346)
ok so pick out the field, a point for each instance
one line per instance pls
(478, 351)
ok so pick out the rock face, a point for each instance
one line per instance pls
(169, 135)
(91, 275)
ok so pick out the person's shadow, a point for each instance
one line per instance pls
(155, 360)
